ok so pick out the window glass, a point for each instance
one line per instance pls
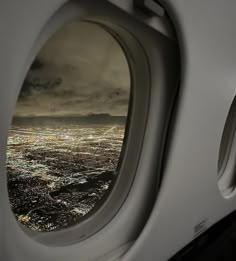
(68, 129)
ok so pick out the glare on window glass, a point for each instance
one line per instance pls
(67, 132)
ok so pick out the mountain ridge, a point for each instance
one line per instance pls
(101, 119)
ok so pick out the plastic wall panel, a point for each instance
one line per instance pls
(189, 194)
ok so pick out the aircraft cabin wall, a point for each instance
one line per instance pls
(176, 165)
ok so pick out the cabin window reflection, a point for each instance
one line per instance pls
(68, 129)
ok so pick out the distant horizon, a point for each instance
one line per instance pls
(70, 115)
(103, 119)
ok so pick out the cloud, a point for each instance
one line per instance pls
(80, 70)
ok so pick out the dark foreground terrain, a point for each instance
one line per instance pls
(56, 175)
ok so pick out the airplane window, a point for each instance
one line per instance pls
(68, 128)
(226, 162)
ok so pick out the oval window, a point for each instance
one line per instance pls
(67, 133)
(227, 155)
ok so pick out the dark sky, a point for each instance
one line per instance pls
(80, 70)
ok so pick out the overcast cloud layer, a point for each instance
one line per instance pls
(80, 70)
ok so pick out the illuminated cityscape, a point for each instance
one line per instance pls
(56, 175)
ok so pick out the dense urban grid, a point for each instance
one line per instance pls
(57, 174)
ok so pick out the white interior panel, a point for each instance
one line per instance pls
(189, 193)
